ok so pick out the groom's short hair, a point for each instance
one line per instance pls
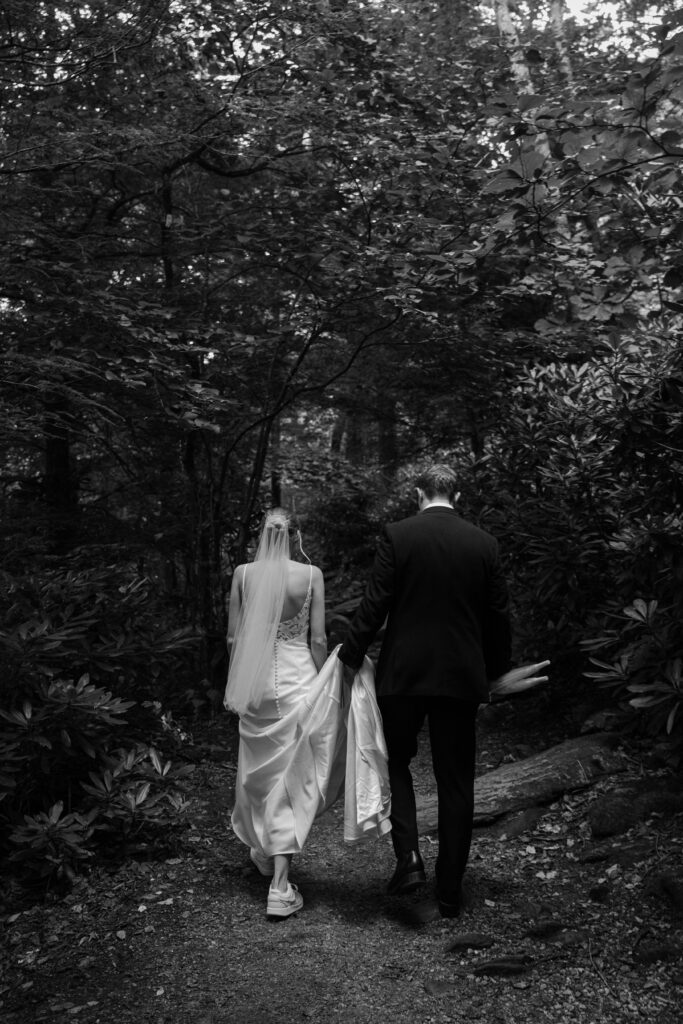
(438, 481)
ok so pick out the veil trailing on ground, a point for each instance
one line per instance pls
(263, 596)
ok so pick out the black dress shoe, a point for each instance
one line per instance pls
(450, 903)
(449, 909)
(409, 874)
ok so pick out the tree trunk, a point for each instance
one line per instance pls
(557, 11)
(355, 437)
(519, 67)
(253, 486)
(538, 142)
(538, 780)
(510, 37)
(61, 495)
(275, 467)
(337, 437)
(387, 441)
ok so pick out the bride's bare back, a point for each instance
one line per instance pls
(299, 576)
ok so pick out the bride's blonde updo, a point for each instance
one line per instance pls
(277, 519)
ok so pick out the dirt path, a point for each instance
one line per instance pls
(186, 940)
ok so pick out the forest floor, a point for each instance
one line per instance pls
(559, 927)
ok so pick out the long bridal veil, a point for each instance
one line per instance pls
(263, 596)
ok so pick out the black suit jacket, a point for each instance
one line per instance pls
(439, 581)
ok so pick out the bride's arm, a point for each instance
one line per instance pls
(318, 636)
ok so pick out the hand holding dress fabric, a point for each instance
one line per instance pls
(348, 675)
(517, 680)
(336, 751)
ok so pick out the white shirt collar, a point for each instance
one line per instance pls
(437, 503)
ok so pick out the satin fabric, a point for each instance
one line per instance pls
(304, 749)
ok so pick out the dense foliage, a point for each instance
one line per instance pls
(288, 251)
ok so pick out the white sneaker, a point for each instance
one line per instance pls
(282, 904)
(263, 863)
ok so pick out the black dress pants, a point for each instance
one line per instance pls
(452, 735)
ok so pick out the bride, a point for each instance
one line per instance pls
(294, 757)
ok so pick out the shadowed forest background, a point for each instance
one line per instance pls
(287, 252)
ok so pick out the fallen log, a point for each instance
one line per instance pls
(535, 781)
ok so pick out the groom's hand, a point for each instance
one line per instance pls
(517, 680)
(349, 675)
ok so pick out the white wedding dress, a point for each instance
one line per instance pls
(301, 749)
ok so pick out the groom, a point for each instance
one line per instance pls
(439, 581)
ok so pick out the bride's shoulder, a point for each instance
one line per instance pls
(305, 570)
